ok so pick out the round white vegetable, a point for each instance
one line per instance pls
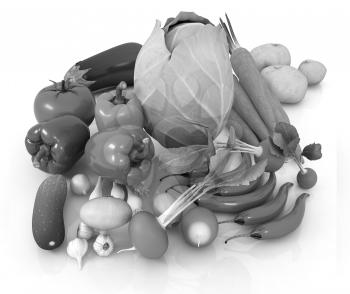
(80, 184)
(287, 83)
(314, 71)
(199, 227)
(161, 203)
(134, 201)
(271, 54)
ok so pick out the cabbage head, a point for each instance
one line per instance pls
(183, 78)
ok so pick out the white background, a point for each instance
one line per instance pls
(41, 40)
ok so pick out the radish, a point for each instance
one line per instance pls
(199, 227)
(161, 203)
(148, 233)
(306, 178)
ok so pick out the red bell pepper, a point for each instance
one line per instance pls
(123, 155)
(57, 144)
(113, 110)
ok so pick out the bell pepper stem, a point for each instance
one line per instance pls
(43, 152)
(119, 98)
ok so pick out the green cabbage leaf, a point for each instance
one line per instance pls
(183, 74)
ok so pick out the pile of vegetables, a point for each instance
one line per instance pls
(187, 84)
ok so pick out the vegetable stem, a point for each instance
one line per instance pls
(226, 221)
(43, 152)
(237, 236)
(126, 250)
(63, 86)
(119, 98)
(302, 169)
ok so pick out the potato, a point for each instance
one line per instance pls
(314, 71)
(287, 83)
(271, 54)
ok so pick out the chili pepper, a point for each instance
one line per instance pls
(265, 212)
(280, 227)
(113, 110)
(123, 154)
(239, 203)
(57, 144)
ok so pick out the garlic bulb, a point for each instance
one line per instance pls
(77, 248)
(85, 232)
(103, 245)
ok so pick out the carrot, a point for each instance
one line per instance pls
(253, 83)
(250, 78)
(246, 110)
(248, 135)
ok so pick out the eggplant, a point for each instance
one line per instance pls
(106, 69)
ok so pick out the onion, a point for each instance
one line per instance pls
(80, 184)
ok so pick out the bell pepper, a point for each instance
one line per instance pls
(57, 144)
(123, 155)
(113, 110)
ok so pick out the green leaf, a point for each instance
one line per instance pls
(244, 177)
(192, 81)
(231, 137)
(183, 159)
(75, 75)
(312, 151)
(286, 138)
(217, 162)
(244, 165)
(184, 17)
(274, 149)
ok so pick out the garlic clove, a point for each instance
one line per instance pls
(97, 192)
(76, 249)
(117, 191)
(103, 245)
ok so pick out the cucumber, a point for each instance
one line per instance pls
(47, 221)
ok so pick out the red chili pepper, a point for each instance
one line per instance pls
(113, 110)
(123, 154)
